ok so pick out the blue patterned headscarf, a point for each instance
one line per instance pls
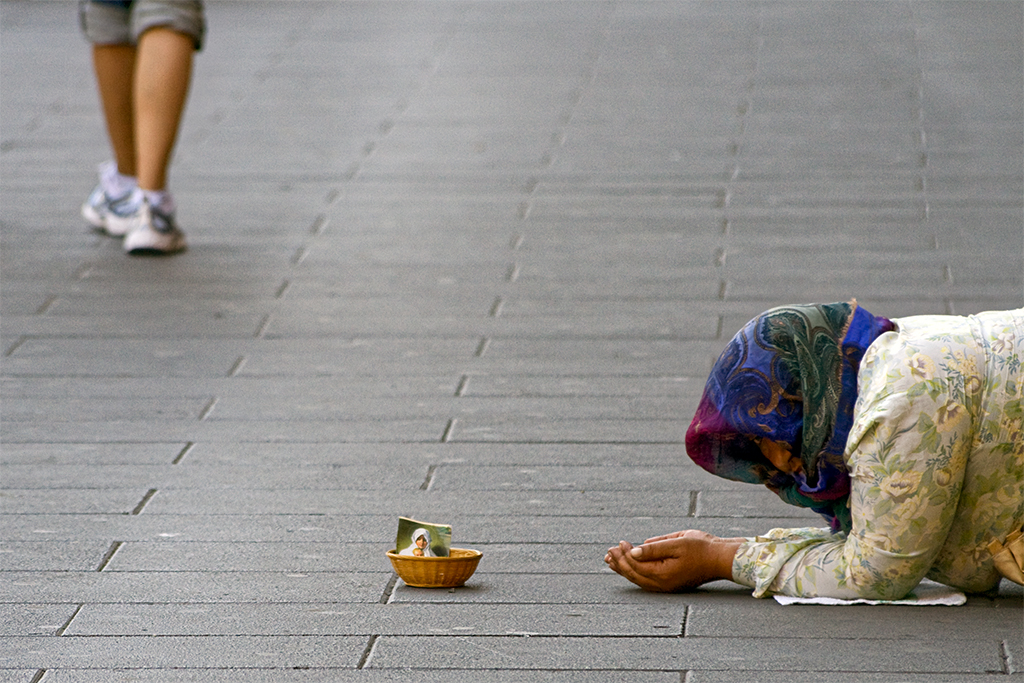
(789, 375)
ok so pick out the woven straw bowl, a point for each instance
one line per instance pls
(436, 572)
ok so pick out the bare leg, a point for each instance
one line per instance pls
(163, 70)
(115, 67)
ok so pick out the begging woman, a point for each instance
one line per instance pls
(904, 434)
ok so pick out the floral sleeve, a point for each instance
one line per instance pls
(935, 467)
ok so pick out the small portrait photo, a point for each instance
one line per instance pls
(421, 539)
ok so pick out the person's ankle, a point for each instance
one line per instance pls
(161, 200)
(114, 183)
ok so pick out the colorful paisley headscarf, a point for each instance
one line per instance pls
(789, 375)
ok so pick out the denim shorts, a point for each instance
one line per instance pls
(121, 22)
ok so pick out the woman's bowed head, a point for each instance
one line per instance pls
(780, 455)
(804, 395)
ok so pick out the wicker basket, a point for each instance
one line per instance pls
(436, 572)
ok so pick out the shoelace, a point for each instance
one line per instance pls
(121, 205)
(162, 222)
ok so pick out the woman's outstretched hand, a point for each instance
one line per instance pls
(677, 561)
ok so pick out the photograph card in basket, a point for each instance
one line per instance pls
(421, 539)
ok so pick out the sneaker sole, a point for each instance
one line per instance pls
(109, 224)
(175, 245)
(151, 251)
(116, 226)
(93, 217)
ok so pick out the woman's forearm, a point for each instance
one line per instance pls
(722, 553)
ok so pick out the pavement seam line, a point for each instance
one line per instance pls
(389, 590)
(14, 347)
(318, 225)
(368, 651)
(137, 510)
(67, 624)
(1007, 657)
(183, 452)
(448, 429)
(237, 366)
(429, 480)
(45, 306)
(207, 409)
(261, 327)
(496, 307)
(109, 555)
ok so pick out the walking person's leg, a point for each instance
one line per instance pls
(114, 66)
(162, 75)
(111, 206)
(163, 71)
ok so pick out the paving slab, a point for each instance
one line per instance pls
(82, 587)
(214, 325)
(74, 409)
(330, 675)
(529, 522)
(332, 618)
(341, 407)
(360, 477)
(367, 431)
(197, 652)
(666, 654)
(811, 677)
(284, 388)
(457, 477)
(496, 454)
(34, 620)
(996, 618)
(41, 555)
(69, 501)
(36, 454)
(554, 589)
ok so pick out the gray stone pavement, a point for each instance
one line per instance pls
(470, 262)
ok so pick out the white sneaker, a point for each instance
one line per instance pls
(154, 233)
(112, 215)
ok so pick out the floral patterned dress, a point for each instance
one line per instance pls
(936, 462)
